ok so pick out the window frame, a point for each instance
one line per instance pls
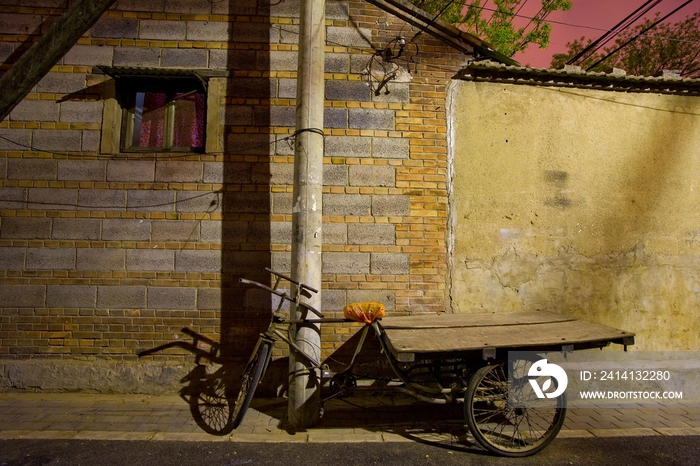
(213, 81)
(128, 88)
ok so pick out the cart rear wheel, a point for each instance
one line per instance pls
(517, 429)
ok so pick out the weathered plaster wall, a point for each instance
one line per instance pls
(578, 201)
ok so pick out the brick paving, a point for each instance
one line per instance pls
(356, 419)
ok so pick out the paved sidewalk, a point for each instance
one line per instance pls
(356, 419)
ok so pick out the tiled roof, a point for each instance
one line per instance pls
(668, 83)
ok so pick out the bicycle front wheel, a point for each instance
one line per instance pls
(249, 382)
(509, 430)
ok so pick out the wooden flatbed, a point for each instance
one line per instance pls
(453, 335)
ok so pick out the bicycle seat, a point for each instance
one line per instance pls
(366, 312)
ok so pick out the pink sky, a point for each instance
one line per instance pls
(586, 15)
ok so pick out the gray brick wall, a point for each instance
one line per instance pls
(208, 31)
(171, 298)
(50, 259)
(371, 233)
(385, 205)
(162, 30)
(345, 263)
(255, 33)
(88, 55)
(81, 170)
(12, 258)
(58, 141)
(352, 146)
(126, 230)
(209, 299)
(15, 139)
(71, 296)
(347, 90)
(62, 83)
(390, 148)
(22, 296)
(11, 23)
(335, 175)
(25, 228)
(150, 259)
(346, 204)
(367, 175)
(182, 172)
(188, 6)
(76, 228)
(389, 264)
(52, 199)
(87, 112)
(335, 233)
(129, 56)
(150, 201)
(278, 61)
(35, 110)
(185, 58)
(31, 169)
(100, 259)
(198, 261)
(370, 119)
(349, 37)
(176, 230)
(116, 28)
(101, 199)
(158, 241)
(387, 298)
(130, 170)
(121, 297)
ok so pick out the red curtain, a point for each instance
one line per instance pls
(188, 124)
(150, 131)
(188, 129)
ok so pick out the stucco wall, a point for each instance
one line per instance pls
(578, 201)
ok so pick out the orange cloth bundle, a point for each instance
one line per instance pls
(366, 312)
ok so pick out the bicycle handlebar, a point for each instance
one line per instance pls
(282, 294)
(289, 279)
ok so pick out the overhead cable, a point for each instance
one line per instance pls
(619, 27)
(636, 36)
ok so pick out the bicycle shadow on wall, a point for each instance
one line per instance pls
(212, 386)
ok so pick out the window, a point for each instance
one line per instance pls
(163, 115)
(161, 110)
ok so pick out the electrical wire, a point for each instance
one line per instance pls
(212, 205)
(617, 29)
(432, 20)
(594, 28)
(637, 36)
(239, 150)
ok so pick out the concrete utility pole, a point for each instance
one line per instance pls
(38, 60)
(304, 383)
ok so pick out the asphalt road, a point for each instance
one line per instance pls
(657, 450)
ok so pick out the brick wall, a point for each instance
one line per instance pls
(105, 254)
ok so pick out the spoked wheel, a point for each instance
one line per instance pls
(521, 428)
(249, 382)
(211, 408)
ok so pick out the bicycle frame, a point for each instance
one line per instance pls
(439, 395)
